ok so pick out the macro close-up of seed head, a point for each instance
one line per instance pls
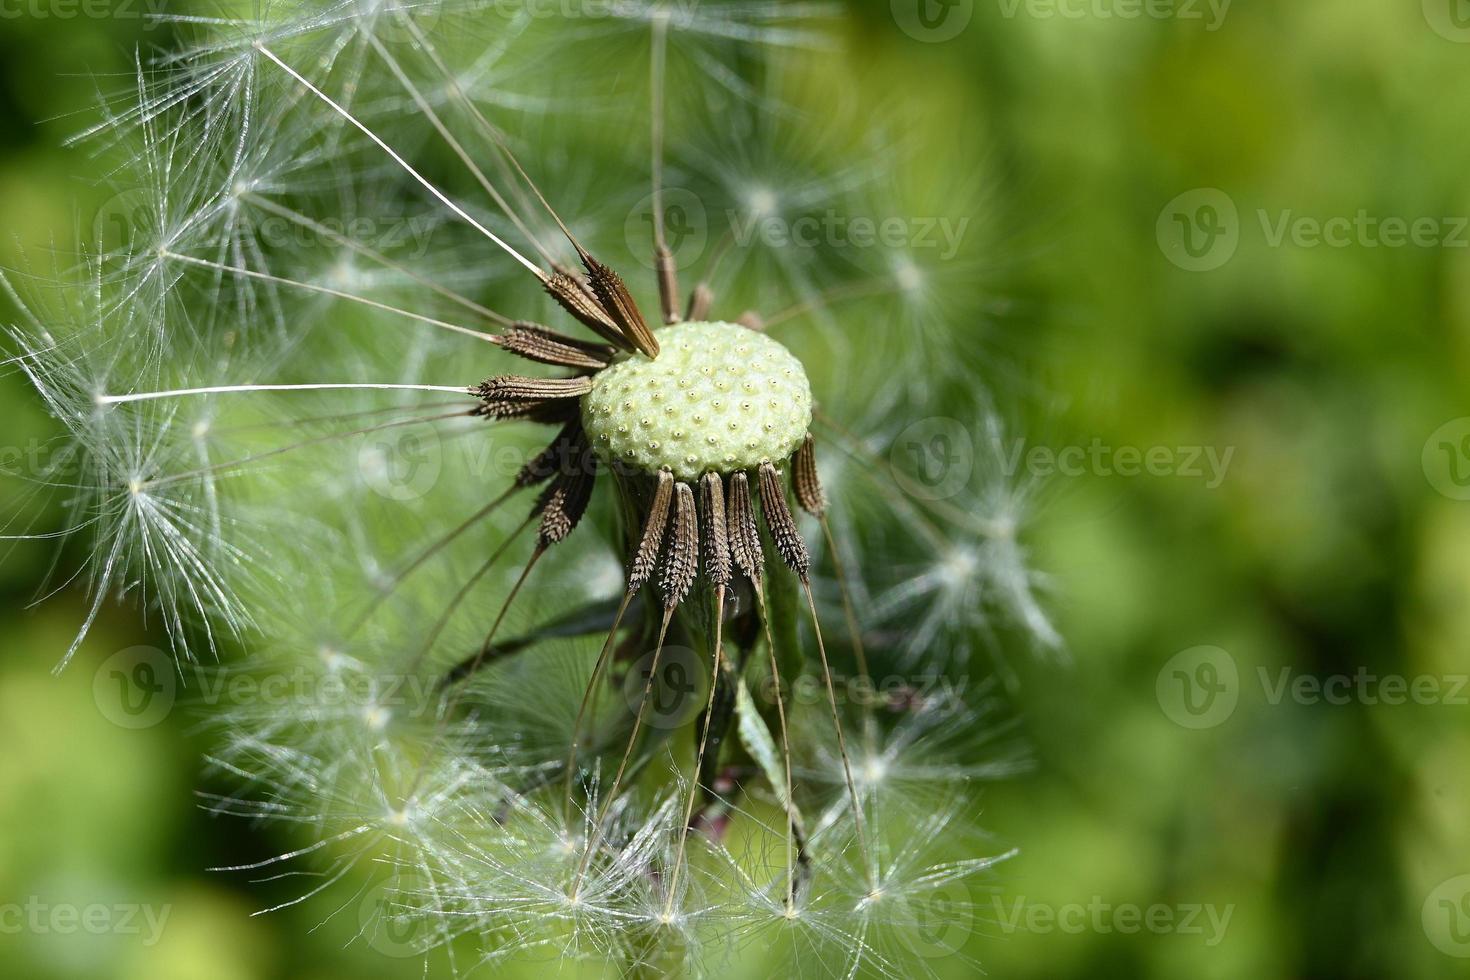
(729, 489)
(719, 397)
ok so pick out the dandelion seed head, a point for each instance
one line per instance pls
(621, 412)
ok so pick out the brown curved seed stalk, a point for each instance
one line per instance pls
(789, 543)
(680, 562)
(717, 562)
(536, 343)
(701, 299)
(668, 283)
(515, 388)
(613, 294)
(571, 296)
(646, 556)
(745, 536)
(804, 480)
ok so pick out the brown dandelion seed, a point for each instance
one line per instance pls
(789, 542)
(717, 562)
(536, 343)
(680, 562)
(745, 536)
(572, 296)
(804, 481)
(644, 558)
(611, 292)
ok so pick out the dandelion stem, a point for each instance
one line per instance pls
(330, 437)
(854, 632)
(433, 549)
(329, 291)
(709, 713)
(789, 801)
(237, 389)
(457, 92)
(394, 155)
(280, 210)
(453, 143)
(857, 805)
(602, 658)
(617, 784)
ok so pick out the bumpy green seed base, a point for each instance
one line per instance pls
(718, 397)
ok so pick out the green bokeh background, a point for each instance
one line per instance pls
(1325, 829)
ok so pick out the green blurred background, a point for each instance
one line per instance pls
(1155, 172)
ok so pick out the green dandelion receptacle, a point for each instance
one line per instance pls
(719, 397)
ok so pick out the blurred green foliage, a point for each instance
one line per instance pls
(1325, 550)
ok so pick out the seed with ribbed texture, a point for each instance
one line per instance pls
(745, 536)
(716, 535)
(653, 533)
(680, 562)
(804, 481)
(789, 543)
